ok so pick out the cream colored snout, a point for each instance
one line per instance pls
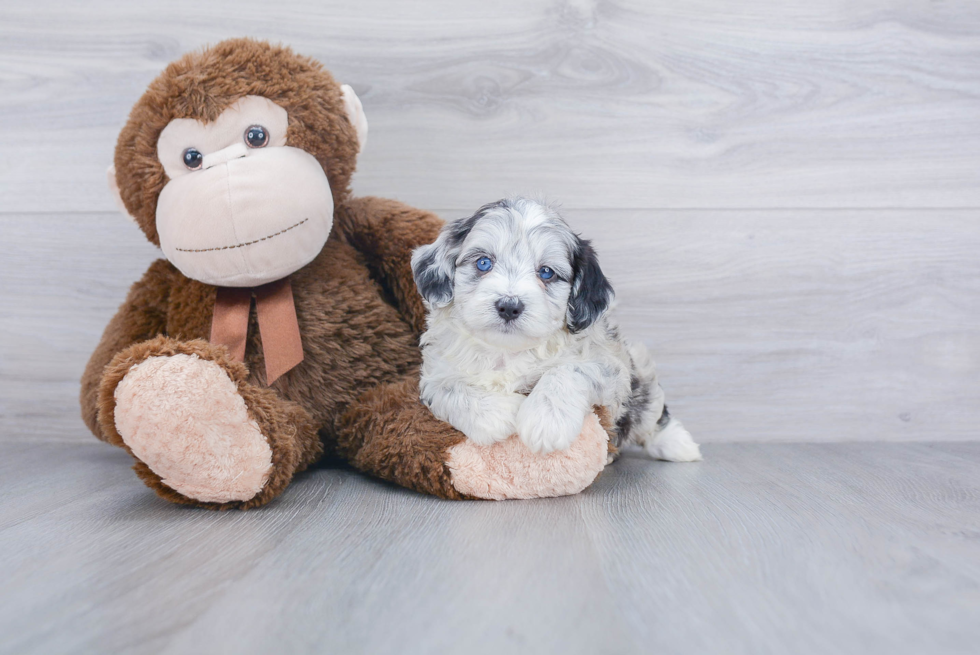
(247, 217)
(224, 155)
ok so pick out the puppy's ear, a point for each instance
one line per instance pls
(434, 265)
(591, 292)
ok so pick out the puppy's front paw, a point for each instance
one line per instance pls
(494, 420)
(544, 425)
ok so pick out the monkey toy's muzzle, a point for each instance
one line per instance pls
(248, 217)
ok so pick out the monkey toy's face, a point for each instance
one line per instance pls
(242, 207)
(234, 158)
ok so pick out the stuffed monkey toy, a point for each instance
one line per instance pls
(283, 323)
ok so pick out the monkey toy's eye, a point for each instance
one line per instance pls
(545, 273)
(193, 158)
(256, 136)
(483, 264)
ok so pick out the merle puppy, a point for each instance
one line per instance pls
(519, 339)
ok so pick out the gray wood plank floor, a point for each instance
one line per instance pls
(762, 548)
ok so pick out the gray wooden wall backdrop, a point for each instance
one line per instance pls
(784, 192)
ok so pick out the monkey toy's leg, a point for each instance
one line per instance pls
(201, 434)
(389, 433)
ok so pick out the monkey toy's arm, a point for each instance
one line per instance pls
(142, 316)
(389, 433)
(386, 232)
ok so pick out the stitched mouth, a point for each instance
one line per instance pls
(247, 243)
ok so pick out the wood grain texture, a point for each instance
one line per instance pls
(627, 104)
(680, 137)
(767, 325)
(843, 548)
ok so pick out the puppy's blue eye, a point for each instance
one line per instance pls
(484, 264)
(545, 273)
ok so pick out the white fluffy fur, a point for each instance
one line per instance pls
(531, 376)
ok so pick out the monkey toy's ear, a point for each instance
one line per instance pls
(114, 190)
(355, 114)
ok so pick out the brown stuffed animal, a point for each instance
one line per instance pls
(284, 322)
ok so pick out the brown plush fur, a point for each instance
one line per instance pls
(353, 340)
(391, 231)
(355, 394)
(200, 85)
(287, 426)
(389, 433)
(142, 316)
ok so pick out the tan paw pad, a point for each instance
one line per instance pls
(183, 417)
(507, 469)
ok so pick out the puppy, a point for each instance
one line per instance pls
(519, 341)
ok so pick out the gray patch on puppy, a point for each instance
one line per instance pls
(538, 366)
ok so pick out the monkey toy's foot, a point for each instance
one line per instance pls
(183, 417)
(508, 469)
(199, 432)
(389, 433)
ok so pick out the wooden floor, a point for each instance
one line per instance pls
(786, 196)
(762, 548)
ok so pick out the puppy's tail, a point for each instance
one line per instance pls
(647, 420)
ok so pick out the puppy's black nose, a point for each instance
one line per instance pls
(509, 308)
